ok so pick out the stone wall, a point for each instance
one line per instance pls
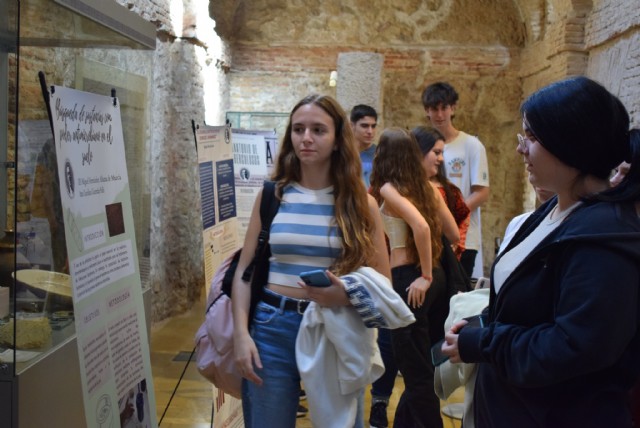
(177, 273)
(281, 52)
(598, 38)
(613, 42)
(189, 83)
(494, 53)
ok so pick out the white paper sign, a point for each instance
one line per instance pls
(113, 346)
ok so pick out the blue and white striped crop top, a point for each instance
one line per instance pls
(304, 235)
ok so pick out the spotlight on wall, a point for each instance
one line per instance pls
(333, 78)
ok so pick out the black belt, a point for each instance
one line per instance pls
(290, 303)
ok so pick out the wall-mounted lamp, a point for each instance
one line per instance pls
(333, 78)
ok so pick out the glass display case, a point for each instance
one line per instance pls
(8, 66)
(91, 45)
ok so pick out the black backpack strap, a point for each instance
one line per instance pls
(269, 206)
(268, 209)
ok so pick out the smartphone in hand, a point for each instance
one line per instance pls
(436, 350)
(436, 354)
(482, 283)
(316, 278)
(474, 321)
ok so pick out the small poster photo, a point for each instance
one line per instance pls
(134, 407)
(115, 219)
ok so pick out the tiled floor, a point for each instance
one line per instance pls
(171, 345)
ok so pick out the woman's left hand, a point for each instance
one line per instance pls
(333, 295)
(417, 291)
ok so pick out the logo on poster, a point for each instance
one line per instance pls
(68, 178)
(104, 414)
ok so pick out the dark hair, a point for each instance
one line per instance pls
(352, 213)
(427, 138)
(439, 93)
(362, 110)
(397, 161)
(582, 124)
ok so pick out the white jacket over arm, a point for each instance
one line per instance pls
(336, 352)
(448, 377)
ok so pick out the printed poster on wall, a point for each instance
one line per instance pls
(113, 346)
(250, 163)
(232, 167)
(218, 196)
(271, 145)
(219, 231)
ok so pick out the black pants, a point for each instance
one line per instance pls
(419, 407)
(468, 261)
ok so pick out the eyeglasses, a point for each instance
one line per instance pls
(524, 141)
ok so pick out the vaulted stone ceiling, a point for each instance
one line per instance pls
(375, 22)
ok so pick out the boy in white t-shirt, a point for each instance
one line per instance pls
(465, 165)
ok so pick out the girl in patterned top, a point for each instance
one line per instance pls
(326, 220)
(431, 143)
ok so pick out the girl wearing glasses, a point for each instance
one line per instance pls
(562, 340)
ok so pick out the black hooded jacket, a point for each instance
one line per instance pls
(562, 345)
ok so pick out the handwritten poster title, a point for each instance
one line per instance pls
(82, 124)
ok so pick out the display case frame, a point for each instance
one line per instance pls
(70, 43)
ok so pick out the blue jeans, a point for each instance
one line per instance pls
(383, 387)
(275, 402)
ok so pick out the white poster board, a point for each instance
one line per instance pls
(233, 164)
(219, 231)
(250, 164)
(218, 196)
(271, 145)
(113, 346)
